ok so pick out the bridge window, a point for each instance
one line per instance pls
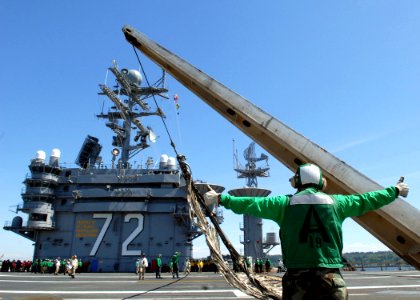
(38, 217)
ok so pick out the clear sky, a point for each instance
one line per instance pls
(345, 74)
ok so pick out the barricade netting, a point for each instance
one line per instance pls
(259, 286)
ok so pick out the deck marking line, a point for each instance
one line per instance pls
(366, 287)
(118, 292)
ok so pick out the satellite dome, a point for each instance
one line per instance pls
(40, 155)
(163, 161)
(55, 156)
(164, 158)
(172, 163)
(56, 153)
(133, 76)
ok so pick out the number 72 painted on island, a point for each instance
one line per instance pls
(132, 236)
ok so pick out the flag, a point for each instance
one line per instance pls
(177, 106)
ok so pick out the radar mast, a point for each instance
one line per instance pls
(251, 172)
(254, 244)
(126, 114)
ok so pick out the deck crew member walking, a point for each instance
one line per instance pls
(158, 266)
(175, 265)
(74, 265)
(143, 264)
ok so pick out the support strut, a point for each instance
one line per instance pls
(396, 225)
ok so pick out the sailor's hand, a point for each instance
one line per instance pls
(211, 197)
(402, 188)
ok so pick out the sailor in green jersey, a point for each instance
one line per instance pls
(79, 267)
(175, 265)
(50, 266)
(43, 266)
(267, 265)
(158, 266)
(310, 229)
(63, 266)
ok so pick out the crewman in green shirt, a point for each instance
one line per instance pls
(44, 266)
(80, 264)
(158, 266)
(267, 265)
(175, 265)
(63, 266)
(310, 229)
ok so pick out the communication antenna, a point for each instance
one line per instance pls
(152, 135)
(15, 210)
(129, 97)
(251, 172)
(253, 241)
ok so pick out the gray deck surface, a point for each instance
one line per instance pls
(362, 285)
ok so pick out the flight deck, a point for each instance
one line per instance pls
(361, 285)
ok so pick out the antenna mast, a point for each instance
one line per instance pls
(251, 172)
(125, 116)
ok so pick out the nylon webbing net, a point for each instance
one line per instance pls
(259, 286)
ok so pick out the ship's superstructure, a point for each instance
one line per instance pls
(109, 214)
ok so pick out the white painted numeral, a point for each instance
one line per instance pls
(101, 235)
(133, 235)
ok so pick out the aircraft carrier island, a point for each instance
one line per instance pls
(108, 215)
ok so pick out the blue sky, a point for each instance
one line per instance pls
(345, 74)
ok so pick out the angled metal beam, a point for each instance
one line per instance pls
(397, 225)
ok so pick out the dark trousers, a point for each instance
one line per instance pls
(175, 270)
(158, 270)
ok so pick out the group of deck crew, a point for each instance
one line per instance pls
(55, 266)
(142, 264)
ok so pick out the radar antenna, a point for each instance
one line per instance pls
(251, 172)
(253, 241)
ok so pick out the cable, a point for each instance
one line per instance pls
(155, 289)
(154, 99)
(213, 232)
